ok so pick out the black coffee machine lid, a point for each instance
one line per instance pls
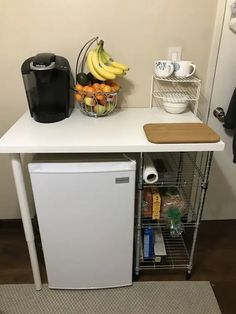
(43, 61)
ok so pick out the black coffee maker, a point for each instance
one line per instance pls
(49, 87)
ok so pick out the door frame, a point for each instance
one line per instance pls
(213, 56)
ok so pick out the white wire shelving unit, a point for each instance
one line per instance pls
(188, 87)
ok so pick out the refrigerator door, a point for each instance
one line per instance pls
(86, 219)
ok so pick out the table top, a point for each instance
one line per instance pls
(122, 131)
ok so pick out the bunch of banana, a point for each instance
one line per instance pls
(102, 66)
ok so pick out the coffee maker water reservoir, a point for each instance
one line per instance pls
(49, 86)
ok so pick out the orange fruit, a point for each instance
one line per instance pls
(115, 87)
(90, 90)
(85, 87)
(78, 97)
(106, 89)
(79, 88)
(96, 86)
(100, 97)
(102, 86)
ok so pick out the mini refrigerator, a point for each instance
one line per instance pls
(85, 211)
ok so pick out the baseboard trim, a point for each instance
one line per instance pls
(11, 223)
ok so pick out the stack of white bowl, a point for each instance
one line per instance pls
(175, 102)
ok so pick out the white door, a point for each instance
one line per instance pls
(221, 195)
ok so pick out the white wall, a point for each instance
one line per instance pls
(135, 32)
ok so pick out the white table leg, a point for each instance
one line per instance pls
(25, 215)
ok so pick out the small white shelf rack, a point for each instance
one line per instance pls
(189, 87)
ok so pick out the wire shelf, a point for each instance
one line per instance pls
(174, 89)
(163, 222)
(177, 254)
(188, 95)
(173, 78)
(176, 169)
(182, 172)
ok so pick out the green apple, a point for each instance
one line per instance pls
(89, 101)
(99, 109)
(89, 108)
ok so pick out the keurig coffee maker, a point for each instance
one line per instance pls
(49, 87)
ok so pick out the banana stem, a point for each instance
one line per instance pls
(101, 48)
(77, 61)
(101, 43)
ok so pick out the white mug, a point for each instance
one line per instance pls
(184, 69)
(163, 68)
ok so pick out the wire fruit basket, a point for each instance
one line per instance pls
(97, 100)
(97, 104)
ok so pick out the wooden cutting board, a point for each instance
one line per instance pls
(164, 133)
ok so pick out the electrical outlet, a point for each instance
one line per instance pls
(174, 53)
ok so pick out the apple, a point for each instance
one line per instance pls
(103, 102)
(99, 109)
(89, 101)
(89, 108)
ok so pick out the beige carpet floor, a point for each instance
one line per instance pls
(143, 297)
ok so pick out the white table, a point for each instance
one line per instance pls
(122, 131)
